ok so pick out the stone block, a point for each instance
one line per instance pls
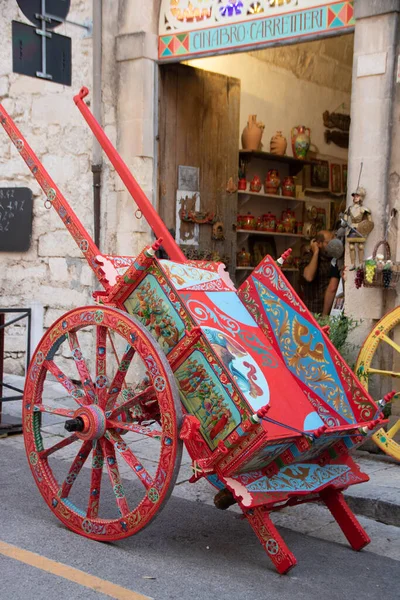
(58, 243)
(47, 110)
(58, 270)
(4, 86)
(52, 315)
(131, 46)
(62, 297)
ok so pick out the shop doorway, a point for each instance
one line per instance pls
(198, 159)
(205, 106)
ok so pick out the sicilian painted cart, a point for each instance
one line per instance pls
(172, 353)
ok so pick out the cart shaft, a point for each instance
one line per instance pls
(152, 217)
(54, 196)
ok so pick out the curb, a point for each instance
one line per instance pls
(378, 510)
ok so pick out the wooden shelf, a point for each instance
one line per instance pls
(323, 191)
(290, 269)
(273, 233)
(289, 160)
(274, 196)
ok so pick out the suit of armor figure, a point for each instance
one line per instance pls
(359, 219)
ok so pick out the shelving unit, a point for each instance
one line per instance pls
(259, 203)
(270, 233)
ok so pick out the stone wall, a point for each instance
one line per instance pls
(53, 272)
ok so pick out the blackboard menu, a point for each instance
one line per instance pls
(15, 219)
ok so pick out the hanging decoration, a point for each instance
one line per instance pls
(228, 9)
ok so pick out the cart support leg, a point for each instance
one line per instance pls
(270, 539)
(345, 518)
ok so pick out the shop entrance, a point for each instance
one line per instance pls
(198, 160)
(285, 196)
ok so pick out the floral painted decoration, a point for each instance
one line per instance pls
(229, 9)
(255, 8)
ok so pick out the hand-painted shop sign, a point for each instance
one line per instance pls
(190, 28)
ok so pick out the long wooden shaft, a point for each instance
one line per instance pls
(54, 196)
(149, 212)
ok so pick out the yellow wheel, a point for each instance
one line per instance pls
(383, 344)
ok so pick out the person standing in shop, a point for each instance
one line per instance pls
(315, 272)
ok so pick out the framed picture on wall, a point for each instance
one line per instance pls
(320, 174)
(336, 178)
(344, 179)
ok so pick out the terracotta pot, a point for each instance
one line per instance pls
(288, 187)
(278, 144)
(272, 182)
(301, 137)
(252, 134)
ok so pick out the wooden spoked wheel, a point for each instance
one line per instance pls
(101, 423)
(382, 338)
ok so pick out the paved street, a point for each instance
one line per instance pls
(192, 550)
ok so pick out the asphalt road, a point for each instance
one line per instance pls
(190, 552)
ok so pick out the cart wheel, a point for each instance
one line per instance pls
(105, 453)
(381, 337)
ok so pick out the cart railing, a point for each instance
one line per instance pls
(22, 313)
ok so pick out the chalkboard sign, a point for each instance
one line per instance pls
(15, 219)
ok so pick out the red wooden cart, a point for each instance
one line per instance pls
(267, 408)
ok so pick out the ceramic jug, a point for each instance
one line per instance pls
(252, 134)
(278, 144)
(301, 137)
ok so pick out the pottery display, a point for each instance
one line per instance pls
(255, 185)
(268, 222)
(278, 144)
(242, 184)
(280, 227)
(272, 182)
(289, 187)
(252, 134)
(247, 221)
(243, 258)
(301, 139)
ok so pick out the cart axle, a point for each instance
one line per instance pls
(74, 424)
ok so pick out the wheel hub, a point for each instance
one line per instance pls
(89, 423)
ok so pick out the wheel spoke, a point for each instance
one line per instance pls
(387, 339)
(119, 378)
(130, 458)
(65, 442)
(141, 429)
(77, 394)
(62, 412)
(147, 396)
(75, 469)
(380, 372)
(101, 362)
(83, 371)
(115, 478)
(95, 483)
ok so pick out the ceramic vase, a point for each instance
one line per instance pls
(252, 134)
(272, 182)
(288, 187)
(278, 144)
(301, 137)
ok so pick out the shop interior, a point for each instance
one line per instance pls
(253, 151)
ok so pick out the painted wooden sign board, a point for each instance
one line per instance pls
(15, 219)
(206, 27)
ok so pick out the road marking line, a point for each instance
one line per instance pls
(60, 570)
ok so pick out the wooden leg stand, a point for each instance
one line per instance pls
(270, 539)
(345, 518)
